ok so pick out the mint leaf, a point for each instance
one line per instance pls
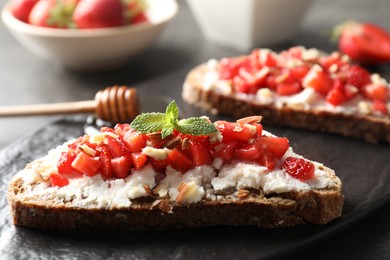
(167, 130)
(172, 113)
(168, 122)
(196, 126)
(148, 122)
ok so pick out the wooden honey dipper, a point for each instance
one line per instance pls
(116, 104)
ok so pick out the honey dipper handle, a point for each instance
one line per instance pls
(88, 106)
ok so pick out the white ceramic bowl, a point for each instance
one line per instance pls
(93, 49)
(246, 24)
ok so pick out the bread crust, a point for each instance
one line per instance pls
(370, 128)
(318, 206)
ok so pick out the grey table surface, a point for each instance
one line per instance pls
(27, 79)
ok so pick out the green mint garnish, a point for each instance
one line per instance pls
(169, 121)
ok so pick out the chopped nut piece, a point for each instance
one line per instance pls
(172, 143)
(148, 190)
(242, 194)
(250, 120)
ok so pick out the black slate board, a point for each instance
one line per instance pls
(363, 168)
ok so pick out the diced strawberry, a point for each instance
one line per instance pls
(271, 82)
(121, 166)
(240, 85)
(350, 91)
(134, 141)
(200, 153)
(226, 150)
(248, 152)
(178, 161)
(298, 168)
(230, 66)
(380, 106)
(267, 58)
(234, 131)
(335, 97)
(106, 168)
(259, 129)
(299, 72)
(64, 165)
(288, 89)
(121, 129)
(295, 52)
(358, 76)
(275, 145)
(138, 160)
(116, 147)
(58, 180)
(318, 79)
(376, 91)
(85, 164)
(268, 160)
(159, 165)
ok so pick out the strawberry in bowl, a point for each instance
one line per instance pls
(88, 35)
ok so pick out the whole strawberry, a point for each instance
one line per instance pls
(365, 43)
(21, 8)
(99, 14)
(53, 13)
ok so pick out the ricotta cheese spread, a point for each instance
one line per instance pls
(199, 183)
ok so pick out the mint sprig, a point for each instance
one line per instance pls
(169, 121)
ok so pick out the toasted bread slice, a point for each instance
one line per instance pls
(202, 90)
(234, 193)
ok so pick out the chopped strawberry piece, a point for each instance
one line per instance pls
(328, 61)
(121, 166)
(106, 168)
(358, 76)
(64, 165)
(249, 152)
(230, 66)
(335, 97)
(319, 80)
(159, 165)
(299, 72)
(58, 180)
(234, 131)
(259, 129)
(376, 91)
(268, 160)
(85, 164)
(380, 106)
(226, 150)
(288, 89)
(178, 161)
(275, 145)
(241, 85)
(134, 141)
(298, 168)
(200, 153)
(138, 160)
(267, 58)
(116, 147)
(350, 91)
